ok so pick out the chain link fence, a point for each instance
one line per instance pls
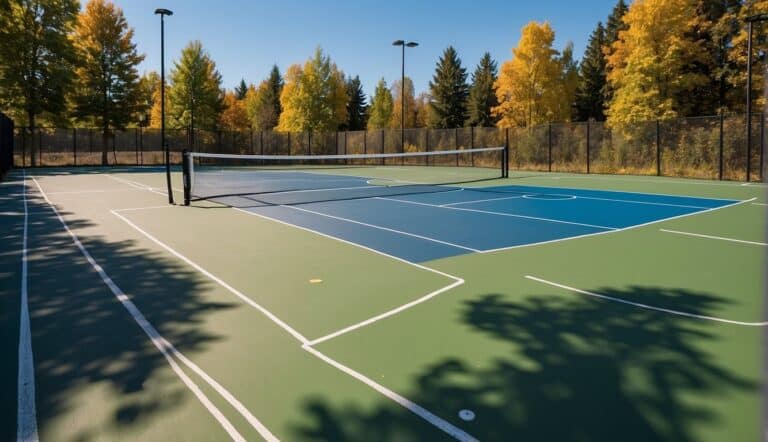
(712, 147)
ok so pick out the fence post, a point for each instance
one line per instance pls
(720, 154)
(588, 152)
(658, 148)
(549, 150)
(261, 141)
(141, 145)
(426, 142)
(383, 160)
(472, 144)
(309, 142)
(762, 145)
(74, 144)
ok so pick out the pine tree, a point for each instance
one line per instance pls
(107, 87)
(356, 106)
(380, 112)
(590, 101)
(241, 90)
(314, 97)
(613, 28)
(569, 84)
(482, 93)
(35, 57)
(449, 91)
(397, 105)
(195, 98)
(262, 103)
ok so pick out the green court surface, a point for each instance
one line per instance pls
(158, 322)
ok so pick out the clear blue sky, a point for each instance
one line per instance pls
(246, 37)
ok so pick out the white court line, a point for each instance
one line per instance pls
(26, 418)
(583, 197)
(482, 200)
(141, 186)
(373, 226)
(721, 238)
(131, 209)
(166, 348)
(646, 306)
(411, 406)
(499, 213)
(622, 229)
(77, 192)
(632, 179)
(759, 204)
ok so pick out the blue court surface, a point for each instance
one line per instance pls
(436, 222)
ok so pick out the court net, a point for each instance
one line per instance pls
(253, 180)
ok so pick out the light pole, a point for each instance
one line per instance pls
(162, 13)
(751, 19)
(403, 44)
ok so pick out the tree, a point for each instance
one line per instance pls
(614, 25)
(234, 116)
(449, 91)
(482, 94)
(263, 103)
(149, 84)
(356, 106)
(314, 97)
(155, 115)
(590, 98)
(736, 73)
(35, 57)
(195, 97)
(241, 90)
(650, 62)
(421, 109)
(569, 83)
(107, 87)
(410, 104)
(380, 113)
(529, 88)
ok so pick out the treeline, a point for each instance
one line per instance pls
(651, 60)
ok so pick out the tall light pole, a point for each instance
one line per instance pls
(751, 19)
(162, 13)
(403, 44)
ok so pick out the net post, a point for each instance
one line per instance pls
(187, 178)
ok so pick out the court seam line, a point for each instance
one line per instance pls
(586, 198)
(373, 226)
(409, 405)
(721, 238)
(499, 214)
(26, 417)
(623, 229)
(165, 347)
(646, 306)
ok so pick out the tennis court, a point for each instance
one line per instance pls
(381, 300)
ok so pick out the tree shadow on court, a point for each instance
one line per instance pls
(576, 369)
(83, 338)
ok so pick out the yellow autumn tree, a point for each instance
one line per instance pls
(314, 97)
(155, 115)
(649, 63)
(737, 53)
(234, 116)
(529, 87)
(410, 105)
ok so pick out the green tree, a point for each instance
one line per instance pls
(35, 57)
(569, 84)
(356, 106)
(314, 97)
(380, 112)
(241, 90)
(614, 25)
(149, 83)
(590, 101)
(195, 98)
(263, 102)
(397, 105)
(449, 91)
(482, 94)
(107, 90)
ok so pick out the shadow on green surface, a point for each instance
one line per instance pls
(83, 338)
(576, 370)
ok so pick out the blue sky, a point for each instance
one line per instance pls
(245, 38)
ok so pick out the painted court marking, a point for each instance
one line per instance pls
(26, 418)
(167, 349)
(646, 306)
(721, 238)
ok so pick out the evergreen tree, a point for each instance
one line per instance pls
(263, 103)
(590, 101)
(35, 57)
(107, 87)
(356, 106)
(241, 89)
(482, 93)
(195, 98)
(449, 91)
(569, 84)
(380, 112)
(613, 27)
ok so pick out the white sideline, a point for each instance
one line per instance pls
(167, 349)
(512, 215)
(411, 406)
(760, 204)
(26, 418)
(646, 306)
(721, 238)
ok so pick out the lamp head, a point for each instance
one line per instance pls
(398, 43)
(411, 44)
(161, 11)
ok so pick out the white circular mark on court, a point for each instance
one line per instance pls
(467, 415)
(551, 197)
